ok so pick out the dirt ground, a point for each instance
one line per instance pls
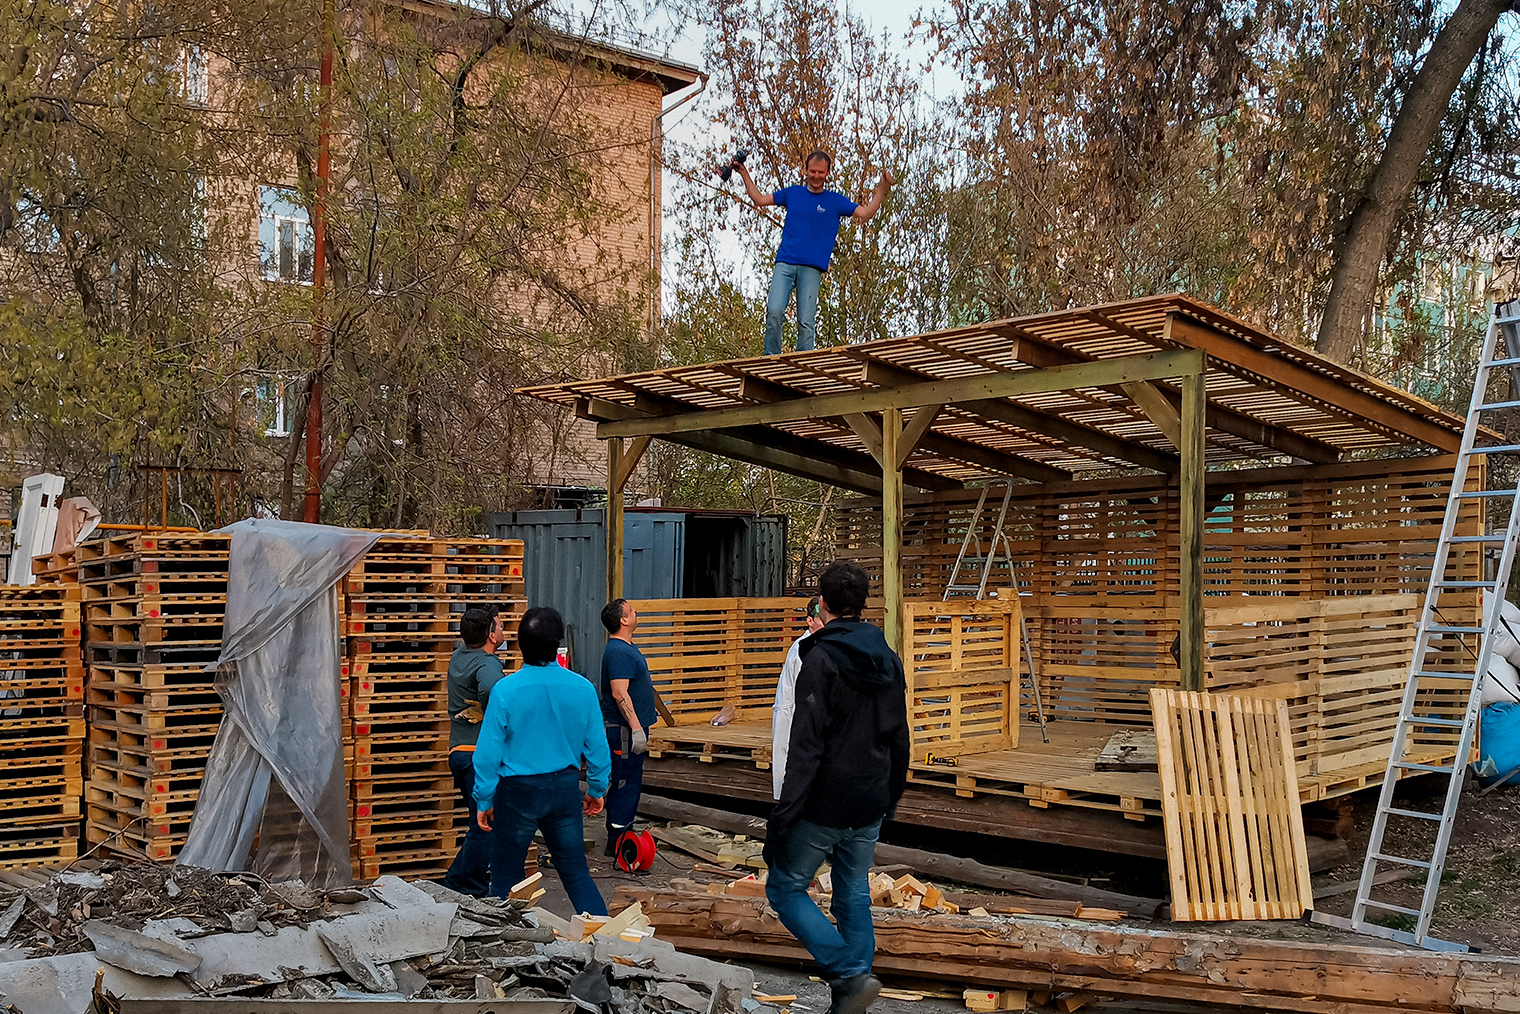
(1479, 900)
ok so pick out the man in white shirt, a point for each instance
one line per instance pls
(786, 700)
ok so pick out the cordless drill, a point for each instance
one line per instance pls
(727, 169)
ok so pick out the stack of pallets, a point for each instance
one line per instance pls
(154, 605)
(402, 605)
(41, 723)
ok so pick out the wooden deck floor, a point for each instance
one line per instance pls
(1057, 773)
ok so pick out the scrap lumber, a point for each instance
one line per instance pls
(1040, 954)
(963, 871)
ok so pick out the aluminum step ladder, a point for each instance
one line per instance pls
(1501, 352)
(967, 558)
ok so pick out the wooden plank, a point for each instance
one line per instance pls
(1329, 394)
(1116, 960)
(915, 431)
(1190, 550)
(891, 506)
(614, 519)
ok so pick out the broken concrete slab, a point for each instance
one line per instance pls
(232, 960)
(677, 964)
(393, 934)
(62, 984)
(138, 952)
(684, 996)
(359, 965)
(398, 894)
(13, 913)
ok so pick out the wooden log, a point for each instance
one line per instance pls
(1052, 955)
(941, 867)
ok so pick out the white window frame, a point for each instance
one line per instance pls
(276, 222)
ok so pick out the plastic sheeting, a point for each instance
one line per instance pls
(275, 773)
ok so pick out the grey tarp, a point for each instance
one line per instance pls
(276, 768)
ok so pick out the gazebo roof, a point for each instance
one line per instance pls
(1070, 391)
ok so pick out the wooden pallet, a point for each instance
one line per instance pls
(1234, 827)
(744, 742)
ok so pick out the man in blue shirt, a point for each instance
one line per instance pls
(807, 242)
(541, 722)
(628, 710)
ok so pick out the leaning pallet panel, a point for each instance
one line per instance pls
(41, 723)
(154, 604)
(1234, 830)
(402, 605)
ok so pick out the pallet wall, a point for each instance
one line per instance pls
(962, 661)
(41, 724)
(152, 606)
(707, 654)
(153, 611)
(1358, 528)
(401, 609)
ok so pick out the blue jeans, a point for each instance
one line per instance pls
(841, 950)
(807, 281)
(470, 872)
(626, 783)
(550, 803)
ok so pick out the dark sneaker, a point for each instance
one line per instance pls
(855, 994)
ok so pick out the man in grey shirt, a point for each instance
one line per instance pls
(473, 670)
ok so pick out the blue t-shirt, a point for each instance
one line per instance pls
(622, 661)
(811, 226)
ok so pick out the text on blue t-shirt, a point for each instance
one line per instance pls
(811, 226)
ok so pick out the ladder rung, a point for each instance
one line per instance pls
(1412, 766)
(1498, 448)
(1443, 628)
(1446, 675)
(1504, 362)
(1466, 584)
(1415, 813)
(1483, 493)
(1450, 723)
(1477, 538)
(1418, 864)
(1498, 405)
(1385, 906)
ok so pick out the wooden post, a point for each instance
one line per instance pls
(620, 465)
(891, 528)
(614, 519)
(1190, 505)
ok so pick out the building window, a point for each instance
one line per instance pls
(274, 398)
(285, 239)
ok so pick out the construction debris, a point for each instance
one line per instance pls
(164, 933)
(964, 871)
(1074, 962)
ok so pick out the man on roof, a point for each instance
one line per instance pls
(813, 214)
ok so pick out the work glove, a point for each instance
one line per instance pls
(640, 741)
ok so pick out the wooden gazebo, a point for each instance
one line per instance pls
(1166, 457)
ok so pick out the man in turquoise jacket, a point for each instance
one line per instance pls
(542, 721)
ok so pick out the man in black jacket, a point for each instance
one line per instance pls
(847, 766)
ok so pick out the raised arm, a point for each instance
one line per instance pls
(867, 211)
(757, 197)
